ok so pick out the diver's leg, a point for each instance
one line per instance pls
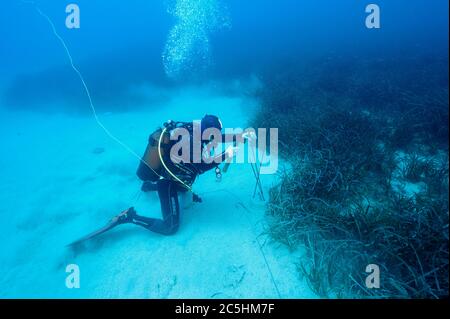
(170, 208)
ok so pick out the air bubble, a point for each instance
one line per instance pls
(188, 46)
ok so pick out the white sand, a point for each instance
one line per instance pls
(55, 188)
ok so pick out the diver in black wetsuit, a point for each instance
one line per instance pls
(171, 178)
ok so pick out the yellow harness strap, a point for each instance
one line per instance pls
(164, 164)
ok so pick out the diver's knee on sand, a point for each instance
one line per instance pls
(170, 230)
(165, 227)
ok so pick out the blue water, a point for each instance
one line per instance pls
(126, 45)
(144, 62)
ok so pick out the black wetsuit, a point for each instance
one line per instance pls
(168, 190)
(170, 208)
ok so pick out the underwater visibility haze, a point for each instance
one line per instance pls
(334, 186)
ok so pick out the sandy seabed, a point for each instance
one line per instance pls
(62, 177)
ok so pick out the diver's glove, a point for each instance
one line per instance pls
(231, 151)
(196, 198)
(249, 135)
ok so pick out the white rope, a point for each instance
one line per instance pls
(86, 89)
(125, 146)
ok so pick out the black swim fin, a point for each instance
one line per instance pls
(124, 217)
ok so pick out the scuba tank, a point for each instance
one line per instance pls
(152, 166)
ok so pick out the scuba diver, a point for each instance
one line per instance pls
(161, 174)
(164, 170)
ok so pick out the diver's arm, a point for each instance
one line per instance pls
(217, 160)
(212, 162)
(239, 138)
(232, 138)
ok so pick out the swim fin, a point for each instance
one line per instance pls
(123, 217)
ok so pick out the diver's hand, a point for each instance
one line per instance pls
(231, 151)
(249, 135)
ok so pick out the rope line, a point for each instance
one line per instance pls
(86, 89)
(126, 147)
